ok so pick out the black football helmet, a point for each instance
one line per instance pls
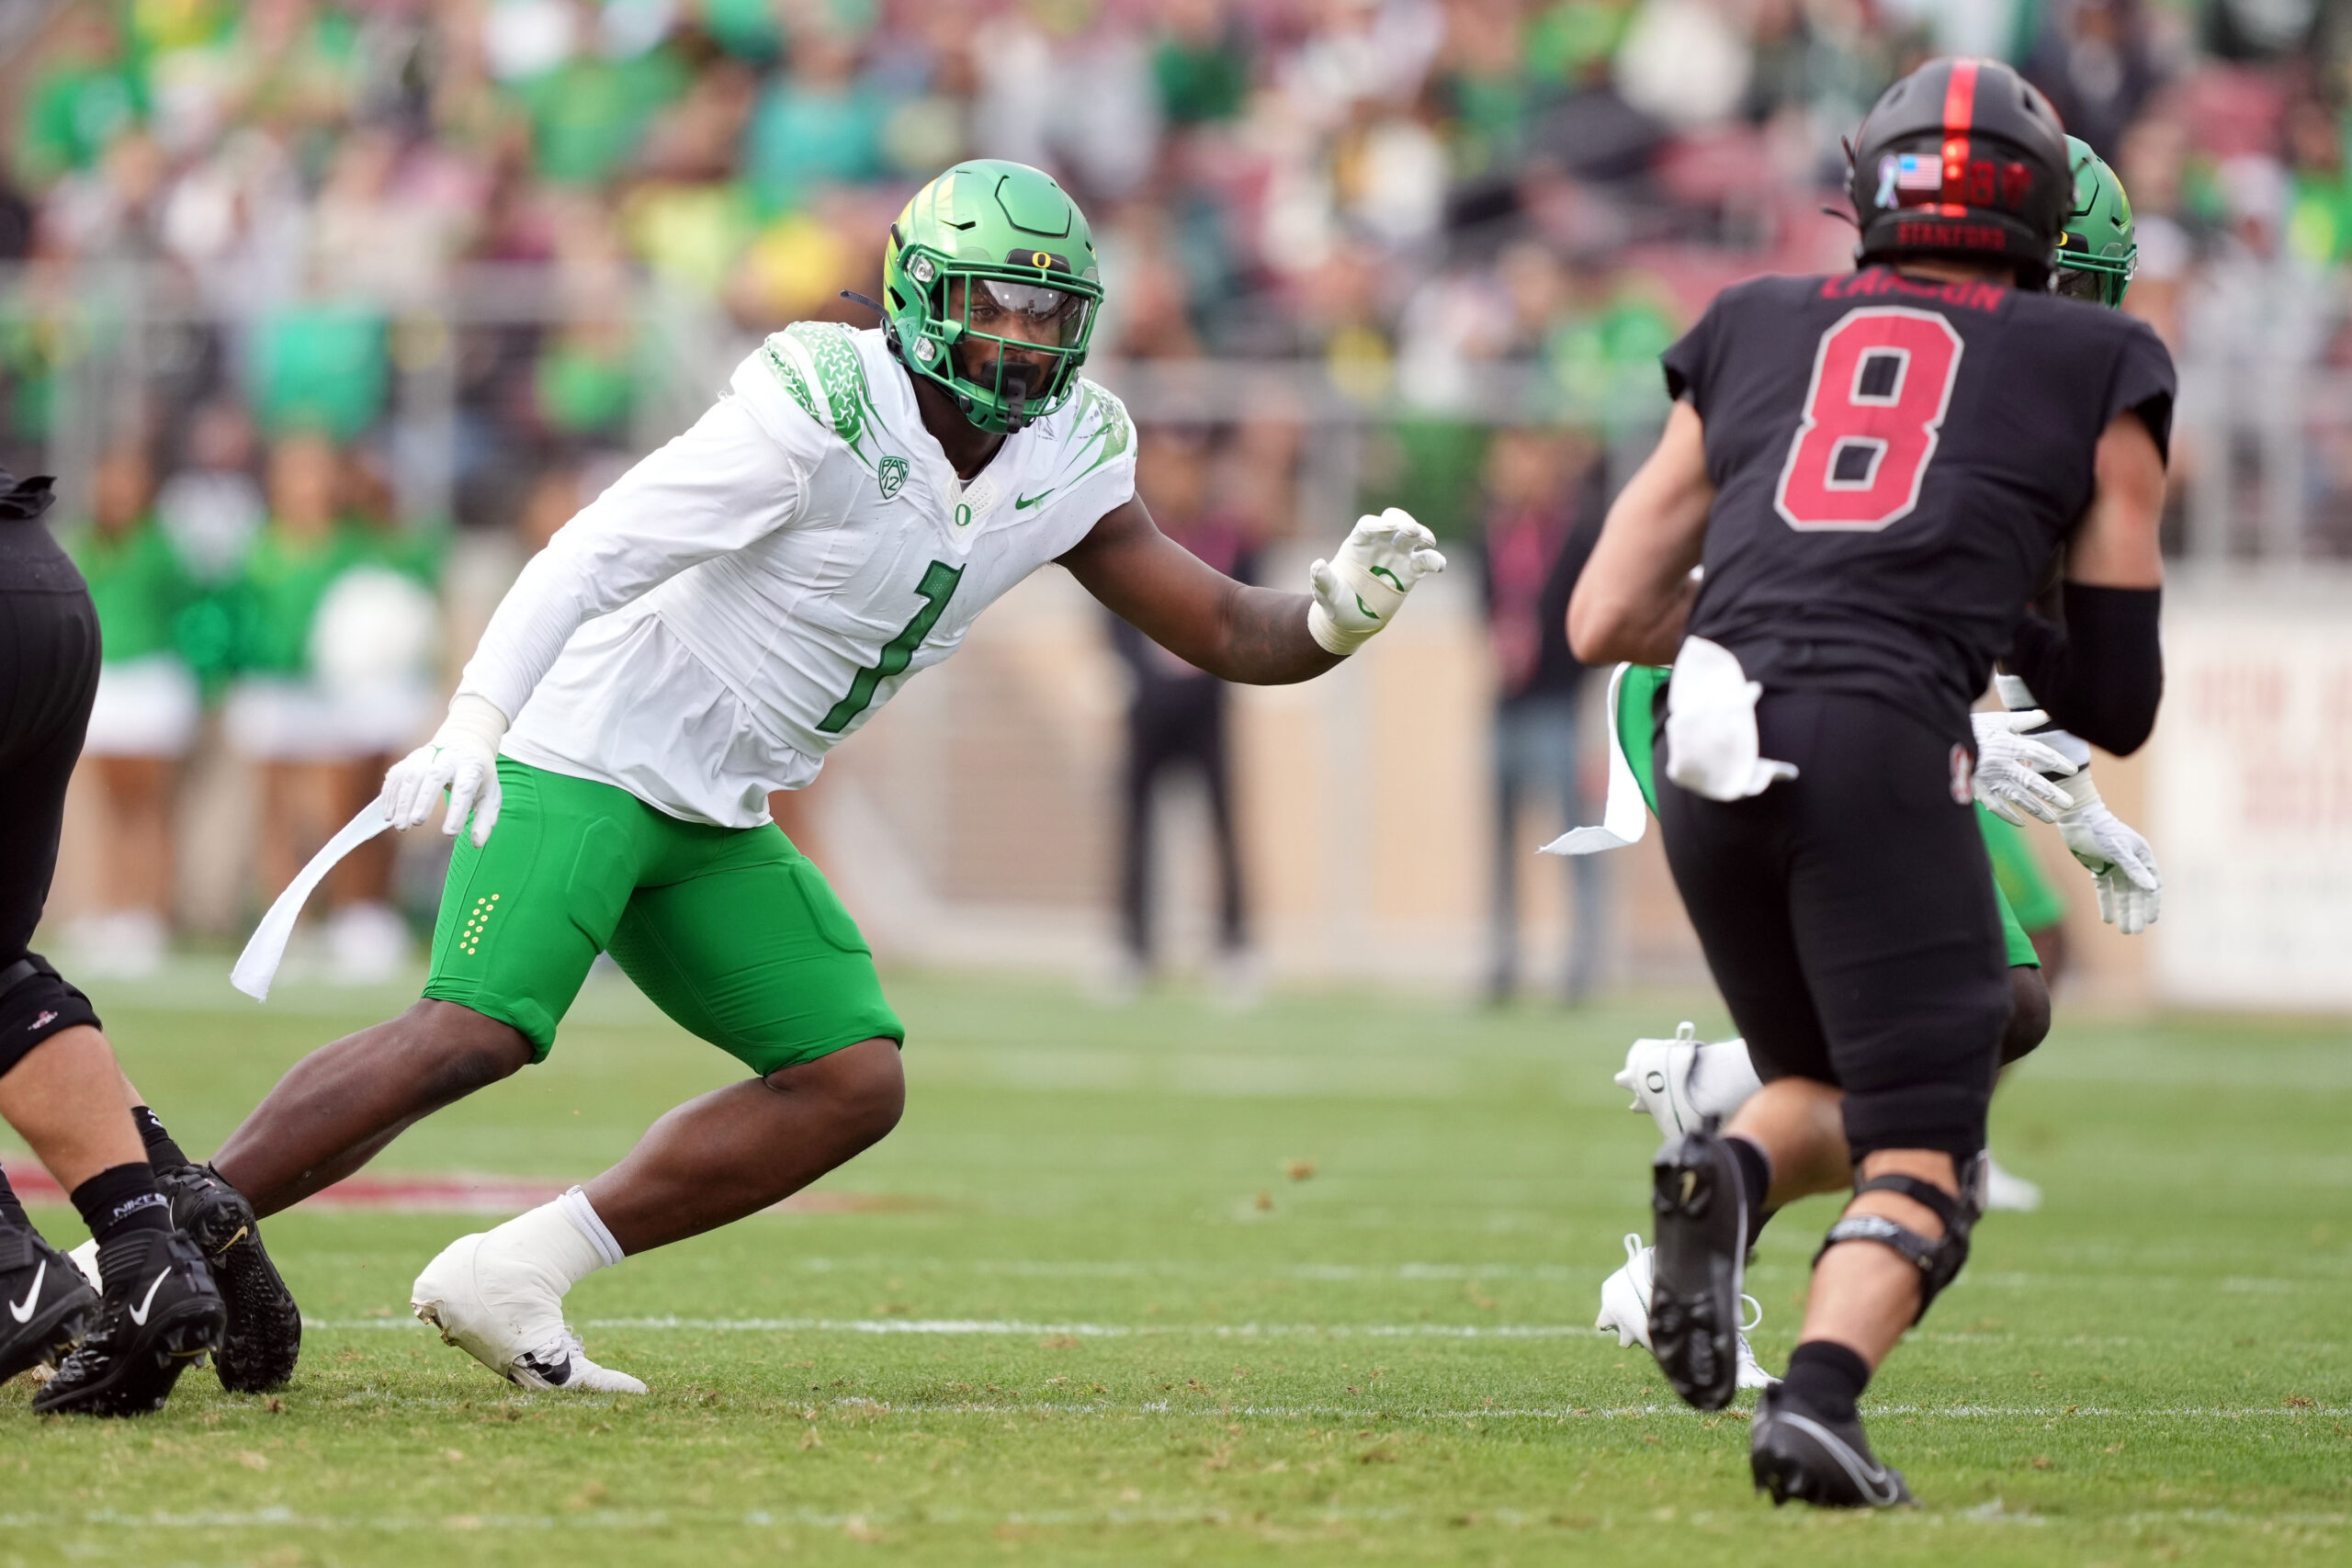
(1963, 158)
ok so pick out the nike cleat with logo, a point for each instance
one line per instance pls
(1696, 1268)
(265, 1333)
(507, 1314)
(159, 1313)
(46, 1306)
(1625, 1308)
(1798, 1454)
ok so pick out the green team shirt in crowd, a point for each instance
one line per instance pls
(139, 587)
(278, 592)
(1636, 729)
(283, 581)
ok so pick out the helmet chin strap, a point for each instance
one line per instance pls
(890, 327)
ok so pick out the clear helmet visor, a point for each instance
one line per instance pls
(1024, 312)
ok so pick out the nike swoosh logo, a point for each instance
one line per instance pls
(1023, 503)
(1873, 1481)
(139, 1312)
(23, 1311)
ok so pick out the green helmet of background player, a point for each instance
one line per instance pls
(992, 287)
(2098, 252)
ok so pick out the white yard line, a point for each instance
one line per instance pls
(1015, 1328)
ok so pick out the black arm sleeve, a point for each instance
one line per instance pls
(2102, 675)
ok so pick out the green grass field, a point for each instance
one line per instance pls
(1096, 1308)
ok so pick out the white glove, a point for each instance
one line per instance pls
(2130, 894)
(2011, 766)
(463, 758)
(1378, 563)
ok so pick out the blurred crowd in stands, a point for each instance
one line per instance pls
(1403, 193)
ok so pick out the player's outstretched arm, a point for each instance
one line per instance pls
(2102, 676)
(1634, 596)
(1256, 636)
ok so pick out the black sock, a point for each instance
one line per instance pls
(162, 1152)
(1826, 1378)
(12, 1213)
(122, 1199)
(1755, 1183)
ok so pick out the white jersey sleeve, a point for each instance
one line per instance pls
(727, 482)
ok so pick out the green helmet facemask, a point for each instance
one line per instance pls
(992, 287)
(2098, 252)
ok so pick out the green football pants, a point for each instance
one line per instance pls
(730, 930)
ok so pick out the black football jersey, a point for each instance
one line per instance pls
(1896, 462)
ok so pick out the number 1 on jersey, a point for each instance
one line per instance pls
(938, 586)
(1882, 383)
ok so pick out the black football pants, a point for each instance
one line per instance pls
(49, 673)
(1848, 915)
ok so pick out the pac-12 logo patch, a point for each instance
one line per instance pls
(1963, 773)
(893, 474)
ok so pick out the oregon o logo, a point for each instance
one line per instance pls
(1040, 259)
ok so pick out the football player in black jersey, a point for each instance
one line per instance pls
(1874, 472)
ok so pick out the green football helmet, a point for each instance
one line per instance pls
(2098, 253)
(990, 266)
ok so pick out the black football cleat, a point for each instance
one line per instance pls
(265, 1333)
(1702, 1247)
(1798, 1454)
(46, 1307)
(160, 1313)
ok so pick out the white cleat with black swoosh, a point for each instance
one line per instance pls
(506, 1312)
(160, 1314)
(1799, 1454)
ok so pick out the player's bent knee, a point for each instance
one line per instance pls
(36, 1003)
(465, 1050)
(1939, 1258)
(2029, 1013)
(864, 1085)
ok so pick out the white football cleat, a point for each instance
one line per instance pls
(2007, 1189)
(1682, 1081)
(1625, 1307)
(1657, 1075)
(497, 1307)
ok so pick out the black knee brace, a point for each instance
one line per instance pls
(35, 1003)
(1939, 1259)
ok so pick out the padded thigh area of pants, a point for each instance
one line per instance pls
(756, 954)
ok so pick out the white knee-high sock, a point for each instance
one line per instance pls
(1721, 1077)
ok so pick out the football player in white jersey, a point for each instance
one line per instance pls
(703, 633)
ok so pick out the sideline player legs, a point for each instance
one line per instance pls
(1874, 472)
(702, 634)
(123, 1346)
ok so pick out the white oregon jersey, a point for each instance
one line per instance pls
(812, 548)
